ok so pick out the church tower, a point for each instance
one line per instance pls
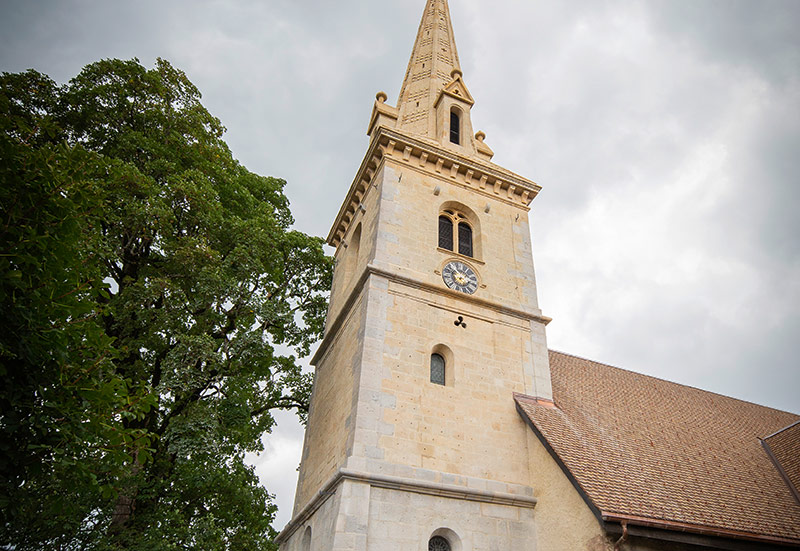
(414, 441)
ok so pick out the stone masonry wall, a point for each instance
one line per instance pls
(330, 417)
(470, 427)
(405, 521)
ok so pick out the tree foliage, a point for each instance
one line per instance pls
(154, 300)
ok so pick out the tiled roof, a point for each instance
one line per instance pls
(667, 454)
(785, 448)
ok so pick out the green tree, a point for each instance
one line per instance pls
(155, 300)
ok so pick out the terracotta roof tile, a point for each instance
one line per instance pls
(644, 447)
(785, 448)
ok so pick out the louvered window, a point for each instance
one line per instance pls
(455, 233)
(437, 369)
(455, 128)
(445, 233)
(438, 543)
(464, 239)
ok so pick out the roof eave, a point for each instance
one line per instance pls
(605, 518)
(670, 527)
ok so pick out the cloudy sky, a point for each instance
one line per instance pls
(666, 136)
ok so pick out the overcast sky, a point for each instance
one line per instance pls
(666, 136)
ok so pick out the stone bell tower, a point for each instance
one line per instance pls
(413, 439)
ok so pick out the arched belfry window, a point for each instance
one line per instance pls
(351, 254)
(446, 232)
(438, 543)
(464, 239)
(438, 367)
(459, 241)
(455, 127)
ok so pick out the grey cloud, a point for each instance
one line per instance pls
(665, 134)
(759, 35)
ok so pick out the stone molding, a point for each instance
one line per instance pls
(371, 269)
(438, 489)
(484, 178)
(332, 330)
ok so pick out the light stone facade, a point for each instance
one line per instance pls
(391, 459)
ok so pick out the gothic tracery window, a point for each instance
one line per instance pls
(445, 233)
(464, 239)
(438, 543)
(461, 239)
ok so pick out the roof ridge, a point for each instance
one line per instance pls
(673, 382)
(787, 427)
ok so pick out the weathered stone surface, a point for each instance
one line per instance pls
(391, 459)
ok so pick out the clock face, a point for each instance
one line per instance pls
(460, 277)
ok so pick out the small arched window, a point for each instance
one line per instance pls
(437, 369)
(446, 233)
(306, 546)
(462, 240)
(351, 254)
(455, 127)
(438, 543)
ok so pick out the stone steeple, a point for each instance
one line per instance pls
(413, 439)
(433, 67)
(430, 69)
(434, 102)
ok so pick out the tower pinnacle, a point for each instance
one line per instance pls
(433, 64)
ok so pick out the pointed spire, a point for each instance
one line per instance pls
(430, 69)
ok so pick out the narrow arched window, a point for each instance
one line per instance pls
(437, 369)
(464, 239)
(351, 255)
(306, 546)
(445, 233)
(455, 128)
(438, 543)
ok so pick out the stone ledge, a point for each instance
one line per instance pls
(438, 489)
(372, 269)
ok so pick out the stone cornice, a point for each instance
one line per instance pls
(404, 484)
(483, 177)
(358, 189)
